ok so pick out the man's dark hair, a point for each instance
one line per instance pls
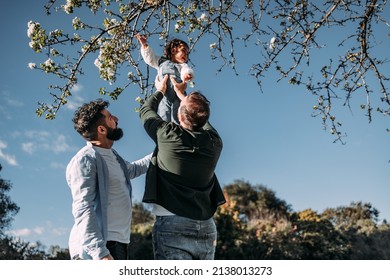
(173, 44)
(88, 117)
(197, 112)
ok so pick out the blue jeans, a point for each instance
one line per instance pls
(117, 250)
(179, 238)
(169, 105)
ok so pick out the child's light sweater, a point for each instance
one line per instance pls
(153, 60)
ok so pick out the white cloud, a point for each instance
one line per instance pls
(4, 112)
(43, 140)
(10, 159)
(15, 103)
(77, 88)
(7, 99)
(57, 165)
(37, 135)
(74, 103)
(60, 144)
(47, 234)
(7, 104)
(61, 231)
(25, 232)
(28, 147)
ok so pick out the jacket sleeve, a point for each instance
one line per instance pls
(185, 69)
(81, 175)
(138, 167)
(150, 57)
(149, 117)
(213, 132)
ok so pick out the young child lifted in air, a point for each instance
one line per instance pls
(173, 63)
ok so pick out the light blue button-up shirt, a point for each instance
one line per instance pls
(87, 177)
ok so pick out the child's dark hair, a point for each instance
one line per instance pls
(174, 43)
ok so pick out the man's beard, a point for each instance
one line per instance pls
(114, 134)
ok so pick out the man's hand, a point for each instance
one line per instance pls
(180, 88)
(161, 85)
(108, 257)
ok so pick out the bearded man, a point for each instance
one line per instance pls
(99, 179)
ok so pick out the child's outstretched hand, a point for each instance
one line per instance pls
(143, 39)
(187, 78)
(187, 75)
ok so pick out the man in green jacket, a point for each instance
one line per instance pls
(181, 183)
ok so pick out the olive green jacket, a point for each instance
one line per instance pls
(181, 175)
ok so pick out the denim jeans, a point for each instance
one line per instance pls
(169, 105)
(168, 108)
(117, 250)
(179, 238)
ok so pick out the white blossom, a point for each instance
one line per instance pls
(272, 43)
(110, 73)
(31, 65)
(31, 27)
(203, 17)
(68, 7)
(75, 21)
(179, 24)
(98, 63)
(49, 62)
(113, 22)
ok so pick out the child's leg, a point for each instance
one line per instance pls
(164, 109)
(169, 105)
(175, 108)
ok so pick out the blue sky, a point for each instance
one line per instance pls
(269, 138)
